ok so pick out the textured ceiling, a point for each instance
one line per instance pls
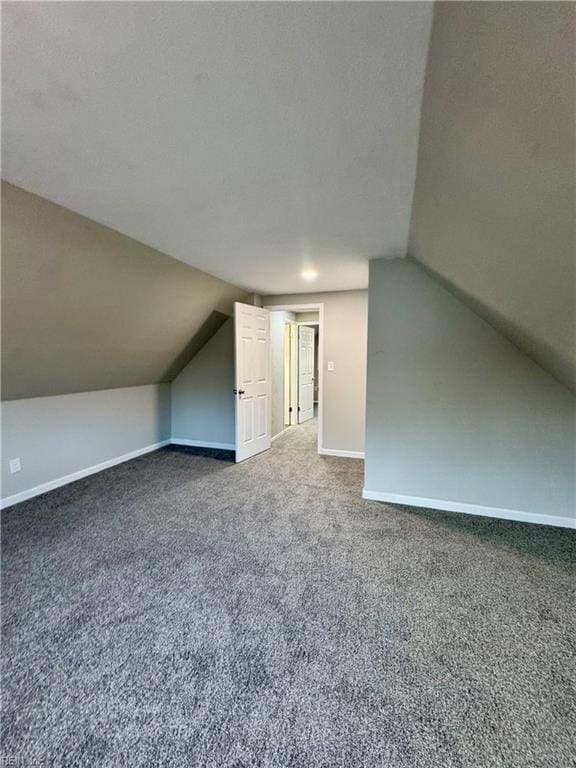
(247, 139)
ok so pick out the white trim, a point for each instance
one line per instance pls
(280, 434)
(343, 454)
(471, 509)
(293, 307)
(293, 400)
(203, 444)
(319, 307)
(16, 498)
(287, 416)
(307, 322)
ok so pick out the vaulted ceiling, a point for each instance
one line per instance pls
(250, 140)
(493, 212)
(86, 308)
(255, 140)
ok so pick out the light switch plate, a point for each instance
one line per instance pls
(15, 466)
(330, 365)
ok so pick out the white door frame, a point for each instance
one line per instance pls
(287, 374)
(316, 307)
(293, 372)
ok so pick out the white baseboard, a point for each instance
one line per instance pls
(51, 485)
(342, 454)
(202, 444)
(9, 501)
(280, 434)
(471, 509)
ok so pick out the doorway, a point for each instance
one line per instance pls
(307, 366)
(296, 354)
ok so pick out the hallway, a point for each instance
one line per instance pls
(180, 610)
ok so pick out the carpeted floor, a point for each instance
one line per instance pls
(180, 610)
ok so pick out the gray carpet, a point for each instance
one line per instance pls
(180, 610)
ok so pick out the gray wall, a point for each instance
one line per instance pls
(202, 394)
(345, 326)
(455, 412)
(86, 308)
(60, 435)
(493, 210)
(277, 321)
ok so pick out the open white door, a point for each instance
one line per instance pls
(253, 383)
(305, 373)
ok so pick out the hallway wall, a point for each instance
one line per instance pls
(277, 321)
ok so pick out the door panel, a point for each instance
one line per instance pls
(262, 346)
(305, 373)
(248, 419)
(247, 360)
(261, 407)
(253, 385)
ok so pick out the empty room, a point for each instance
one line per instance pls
(288, 414)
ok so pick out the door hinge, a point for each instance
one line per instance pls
(290, 409)
(298, 407)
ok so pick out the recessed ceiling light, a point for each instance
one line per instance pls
(309, 274)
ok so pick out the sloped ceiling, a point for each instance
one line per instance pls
(252, 140)
(249, 140)
(495, 196)
(86, 308)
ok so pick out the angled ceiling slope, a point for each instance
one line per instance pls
(250, 140)
(493, 212)
(86, 308)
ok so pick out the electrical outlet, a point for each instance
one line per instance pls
(15, 466)
(330, 365)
